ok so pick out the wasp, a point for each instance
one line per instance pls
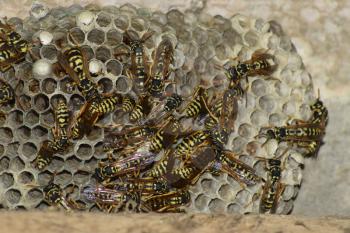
(141, 110)
(53, 194)
(139, 61)
(132, 164)
(7, 94)
(198, 104)
(60, 129)
(258, 65)
(319, 112)
(142, 185)
(305, 135)
(128, 103)
(128, 136)
(241, 172)
(107, 199)
(273, 188)
(45, 154)
(160, 69)
(173, 102)
(192, 169)
(189, 143)
(168, 202)
(109, 104)
(74, 63)
(162, 166)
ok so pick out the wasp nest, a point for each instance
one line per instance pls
(201, 42)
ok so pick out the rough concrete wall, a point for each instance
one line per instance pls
(319, 29)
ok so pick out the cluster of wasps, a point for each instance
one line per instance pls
(155, 158)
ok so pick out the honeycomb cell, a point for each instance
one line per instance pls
(12, 148)
(90, 164)
(123, 84)
(114, 67)
(29, 149)
(102, 53)
(23, 132)
(81, 177)
(139, 24)
(259, 87)
(6, 135)
(231, 38)
(25, 102)
(207, 185)
(217, 206)
(233, 208)
(25, 177)
(56, 164)
(34, 195)
(243, 197)
(33, 86)
(289, 108)
(267, 103)
(72, 163)
(63, 178)
(48, 118)
(201, 202)
(99, 152)
(44, 178)
(76, 36)
(88, 52)
(55, 99)
(6, 180)
(227, 193)
(122, 22)
(96, 132)
(238, 144)
(275, 119)
(253, 148)
(67, 85)
(17, 164)
(106, 85)
(4, 163)
(76, 102)
(288, 192)
(42, 205)
(175, 18)
(114, 37)
(251, 38)
(96, 36)
(31, 118)
(41, 102)
(245, 130)
(15, 118)
(49, 85)
(84, 151)
(39, 131)
(103, 19)
(49, 52)
(200, 65)
(258, 117)
(13, 196)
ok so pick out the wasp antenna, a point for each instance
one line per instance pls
(219, 67)
(72, 38)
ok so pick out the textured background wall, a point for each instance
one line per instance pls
(319, 30)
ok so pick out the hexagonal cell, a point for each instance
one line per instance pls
(122, 22)
(106, 85)
(13, 196)
(114, 67)
(258, 118)
(24, 70)
(289, 108)
(29, 149)
(55, 99)
(227, 193)
(6, 135)
(103, 19)
(12, 148)
(114, 37)
(90, 164)
(139, 24)
(44, 178)
(207, 185)
(34, 195)
(99, 152)
(102, 53)
(259, 87)
(4, 163)
(95, 133)
(39, 131)
(34, 86)
(49, 85)
(245, 130)
(81, 177)
(15, 118)
(41, 102)
(233, 208)
(42, 205)
(56, 164)
(88, 52)
(75, 102)
(67, 85)
(217, 206)
(6, 180)
(201, 202)
(31, 118)
(25, 177)
(275, 119)
(63, 178)
(76, 36)
(17, 164)
(96, 36)
(25, 102)
(23, 132)
(72, 163)
(123, 84)
(267, 103)
(243, 197)
(238, 144)
(49, 52)
(84, 151)
(252, 148)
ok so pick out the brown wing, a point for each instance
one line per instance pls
(229, 112)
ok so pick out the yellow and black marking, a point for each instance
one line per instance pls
(168, 202)
(7, 94)
(128, 103)
(197, 105)
(189, 143)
